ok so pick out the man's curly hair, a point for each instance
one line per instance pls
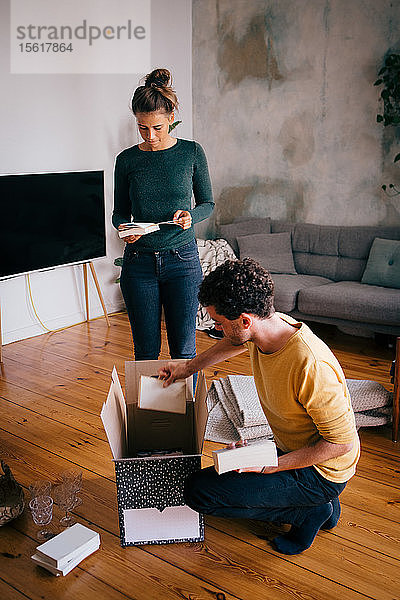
(238, 286)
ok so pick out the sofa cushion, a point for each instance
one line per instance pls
(272, 250)
(316, 239)
(287, 288)
(354, 246)
(356, 242)
(351, 300)
(337, 252)
(383, 266)
(240, 228)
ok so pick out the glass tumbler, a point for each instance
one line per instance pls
(41, 508)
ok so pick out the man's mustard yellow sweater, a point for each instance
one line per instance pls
(303, 392)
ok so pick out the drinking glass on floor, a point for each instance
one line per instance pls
(64, 495)
(73, 478)
(41, 508)
(40, 487)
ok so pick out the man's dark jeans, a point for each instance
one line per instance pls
(150, 280)
(284, 497)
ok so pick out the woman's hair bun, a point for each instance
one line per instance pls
(158, 78)
(156, 94)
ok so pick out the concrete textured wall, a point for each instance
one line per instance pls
(285, 107)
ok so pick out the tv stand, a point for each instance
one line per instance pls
(85, 281)
(96, 282)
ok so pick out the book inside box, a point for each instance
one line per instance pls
(135, 432)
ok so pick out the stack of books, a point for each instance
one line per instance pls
(259, 454)
(67, 549)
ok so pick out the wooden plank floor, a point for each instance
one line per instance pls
(51, 392)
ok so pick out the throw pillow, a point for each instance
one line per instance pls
(383, 265)
(232, 231)
(273, 251)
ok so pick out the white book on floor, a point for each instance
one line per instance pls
(67, 545)
(260, 454)
(71, 564)
(153, 396)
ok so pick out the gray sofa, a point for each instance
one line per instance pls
(323, 281)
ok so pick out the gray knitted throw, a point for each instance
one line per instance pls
(234, 409)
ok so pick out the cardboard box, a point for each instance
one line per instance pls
(151, 506)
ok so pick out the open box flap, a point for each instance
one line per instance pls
(135, 368)
(200, 411)
(114, 418)
(119, 395)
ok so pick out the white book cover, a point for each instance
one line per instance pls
(153, 396)
(254, 455)
(39, 560)
(67, 545)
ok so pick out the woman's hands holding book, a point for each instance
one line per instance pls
(129, 239)
(183, 218)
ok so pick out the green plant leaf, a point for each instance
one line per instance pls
(397, 157)
(118, 280)
(388, 77)
(389, 60)
(171, 127)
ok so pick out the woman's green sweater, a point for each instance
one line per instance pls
(152, 186)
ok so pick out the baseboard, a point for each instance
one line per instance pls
(35, 329)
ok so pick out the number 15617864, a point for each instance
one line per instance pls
(45, 47)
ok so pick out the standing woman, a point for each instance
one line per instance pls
(153, 182)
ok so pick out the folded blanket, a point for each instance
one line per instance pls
(371, 402)
(368, 395)
(240, 400)
(235, 412)
(212, 253)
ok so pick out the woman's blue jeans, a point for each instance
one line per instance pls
(169, 279)
(284, 497)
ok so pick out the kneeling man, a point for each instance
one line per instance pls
(303, 393)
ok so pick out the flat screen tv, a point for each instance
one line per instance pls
(50, 219)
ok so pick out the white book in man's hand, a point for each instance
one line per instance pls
(260, 454)
(154, 396)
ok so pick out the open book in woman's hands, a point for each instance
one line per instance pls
(142, 228)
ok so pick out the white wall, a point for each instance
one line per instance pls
(79, 122)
